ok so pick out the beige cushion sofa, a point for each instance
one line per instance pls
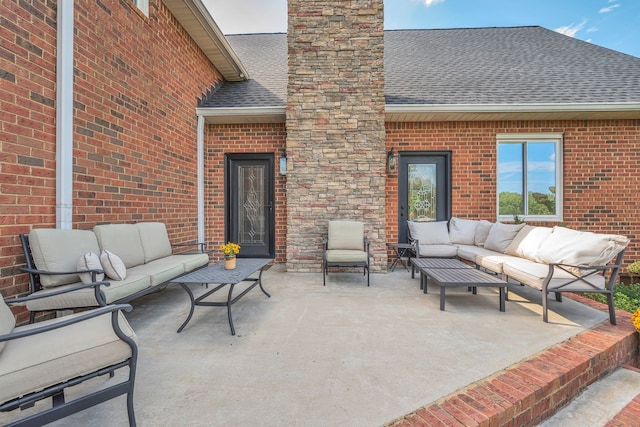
(550, 259)
(145, 256)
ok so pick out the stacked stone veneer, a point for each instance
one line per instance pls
(335, 126)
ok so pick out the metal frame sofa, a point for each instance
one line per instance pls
(554, 259)
(137, 259)
(40, 361)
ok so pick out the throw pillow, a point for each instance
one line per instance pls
(430, 233)
(482, 231)
(89, 261)
(113, 266)
(7, 320)
(526, 243)
(462, 231)
(501, 235)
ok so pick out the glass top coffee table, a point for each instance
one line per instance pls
(216, 273)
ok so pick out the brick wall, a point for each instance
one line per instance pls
(600, 163)
(335, 125)
(137, 81)
(234, 139)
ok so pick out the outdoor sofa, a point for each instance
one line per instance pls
(554, 259)
(137, 259)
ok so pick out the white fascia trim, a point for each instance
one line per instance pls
(217, 36)
(241, 111)
(503, 108)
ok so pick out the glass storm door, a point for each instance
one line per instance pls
(250, 219)
(424, 189)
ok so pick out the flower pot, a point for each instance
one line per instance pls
(229, 263)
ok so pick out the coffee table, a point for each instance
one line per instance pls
(216, 273)
(426, 263)
(467, 277)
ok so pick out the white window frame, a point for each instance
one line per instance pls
(143, 5)
(523, 138)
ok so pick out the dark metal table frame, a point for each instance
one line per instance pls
(216, 273)
(401, 250)
(427, 263)
(450, 272)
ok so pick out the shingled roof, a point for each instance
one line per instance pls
(472, 71)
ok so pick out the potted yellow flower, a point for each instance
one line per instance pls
(635, 318)
(230, 250)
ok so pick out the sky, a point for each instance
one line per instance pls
(614, 24)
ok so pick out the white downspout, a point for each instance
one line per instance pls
(64, 116)
(200, 179)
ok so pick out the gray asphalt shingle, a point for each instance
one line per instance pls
(523, 65)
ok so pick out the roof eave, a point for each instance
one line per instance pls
(238, 115)
(196, 20)
(440, 112)
(492, 112)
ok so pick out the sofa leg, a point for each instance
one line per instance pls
(545, 318)
(612, 309)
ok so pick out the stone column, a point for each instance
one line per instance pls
(335, 126)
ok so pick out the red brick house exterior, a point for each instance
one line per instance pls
(138, 81)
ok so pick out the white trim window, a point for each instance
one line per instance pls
(143, 5)
(529, 164)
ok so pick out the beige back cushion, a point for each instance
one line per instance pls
(501, 235)
(482, 232)
(59, 250)
(580, 247)
(122, 240)
(462, 231)
(429, 233)
(155, 240)
(7, 320)
(347, 235)
(528, 241)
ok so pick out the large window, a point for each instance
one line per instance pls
(530, 176)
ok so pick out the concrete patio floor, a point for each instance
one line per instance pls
(310, 355)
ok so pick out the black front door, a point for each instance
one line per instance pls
(424, 188)
(250, 219)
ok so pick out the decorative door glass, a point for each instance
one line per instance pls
(422, 200)
(251, 205)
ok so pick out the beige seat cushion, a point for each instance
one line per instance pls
(347, 235)
(59, 250)
(345, 255)
(7, 320)
(39, 361)
(533, 274)
(86, 297)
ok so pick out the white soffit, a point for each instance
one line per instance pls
(197, 21)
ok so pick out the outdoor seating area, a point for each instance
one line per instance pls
(551, 260)
(321, 355)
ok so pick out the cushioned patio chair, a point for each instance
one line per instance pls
(345, 246)
(40, 360)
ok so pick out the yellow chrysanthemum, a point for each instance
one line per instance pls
(230, 249)
(635, 318)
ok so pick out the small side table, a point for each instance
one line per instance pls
(401, 250)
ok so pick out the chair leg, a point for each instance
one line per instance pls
(367, 268)
(324, 273)
(545, 318)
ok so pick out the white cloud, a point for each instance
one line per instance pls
(593, 29)
(609, 9)
(571, 30)
(429, 3)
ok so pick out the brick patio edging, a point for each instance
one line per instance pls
(532, 390)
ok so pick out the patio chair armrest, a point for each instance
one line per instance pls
(54, 273)
(96, 285)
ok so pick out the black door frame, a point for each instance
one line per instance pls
(443, 191)
(229, 160)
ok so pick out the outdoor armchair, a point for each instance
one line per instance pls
(40, 360)
(345, 246)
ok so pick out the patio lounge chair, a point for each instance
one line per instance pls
(345, 246)
(40, 360)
